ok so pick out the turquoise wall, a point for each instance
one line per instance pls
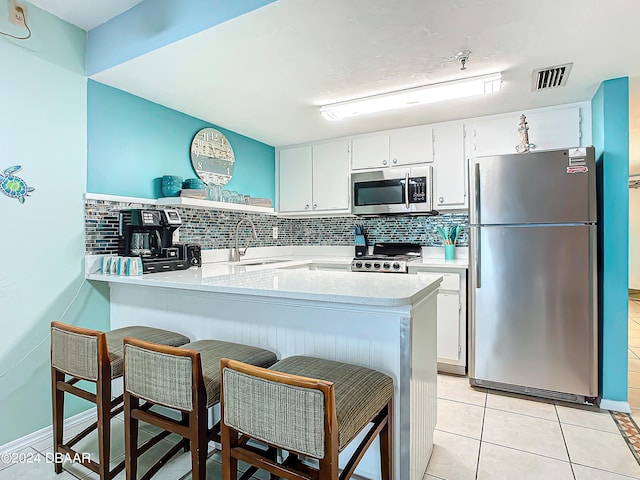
(153, 24)
(43, 128)
(133, 141)
(610, 123)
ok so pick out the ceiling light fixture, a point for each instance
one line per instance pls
(436, 92)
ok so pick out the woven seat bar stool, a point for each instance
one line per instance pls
(305, 406)
(97, 357)
(185, 379)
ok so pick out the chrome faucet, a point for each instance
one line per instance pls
(237, 254)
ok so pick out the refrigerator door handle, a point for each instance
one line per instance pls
(476, 178)
(477, 257)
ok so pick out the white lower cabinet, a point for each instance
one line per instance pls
(451, 318)
(448, 330)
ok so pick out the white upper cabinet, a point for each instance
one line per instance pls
(331, 181)
(314, 178)
(295, 176)
(411, 145)
(408, 146)
(370, 152)
(450, 167)
(548, 130)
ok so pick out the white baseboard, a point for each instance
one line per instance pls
(45, 433)
(614, 405)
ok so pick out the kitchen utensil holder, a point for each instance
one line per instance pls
(449, 252)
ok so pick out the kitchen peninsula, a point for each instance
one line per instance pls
(386, 322)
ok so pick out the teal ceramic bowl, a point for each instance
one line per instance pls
(172, 179)
(171, 190)
(194, 183)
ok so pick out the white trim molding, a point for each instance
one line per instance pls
(615, 405)
(47, 432)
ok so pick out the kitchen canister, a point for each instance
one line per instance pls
(449, 252)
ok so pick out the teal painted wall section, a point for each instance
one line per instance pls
(152, 24)
(133, 141)
(610, 124)
(43, 128)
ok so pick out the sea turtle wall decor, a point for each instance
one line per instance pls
(13, 186)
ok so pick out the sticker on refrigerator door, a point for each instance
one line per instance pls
(577, 169)
(577, 152)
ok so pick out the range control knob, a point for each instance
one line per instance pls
(358, 264)
(396, 266)
(376, 265)
(367, 265)
(387, 266)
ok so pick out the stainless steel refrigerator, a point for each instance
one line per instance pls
(533, 274)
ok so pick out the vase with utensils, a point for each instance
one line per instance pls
(449, 236)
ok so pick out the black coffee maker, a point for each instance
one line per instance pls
(149, 234)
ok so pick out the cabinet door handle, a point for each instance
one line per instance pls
(315, 205)
(384, 162)
(395, 160)
(441, 199)
(306, 207)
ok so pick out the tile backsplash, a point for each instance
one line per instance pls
(215, 229)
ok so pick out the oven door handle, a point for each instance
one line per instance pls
(406, 190)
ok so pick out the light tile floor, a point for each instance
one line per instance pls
(484, 434)
(634, 358)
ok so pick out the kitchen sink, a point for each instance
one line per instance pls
(262, 262)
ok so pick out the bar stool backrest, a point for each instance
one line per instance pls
(78, 351)
(161, 374)
(291, 412)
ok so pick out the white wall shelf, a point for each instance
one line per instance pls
(211, 205)
(182, 202)
(119, 198)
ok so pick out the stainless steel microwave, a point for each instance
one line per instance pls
(392, 190)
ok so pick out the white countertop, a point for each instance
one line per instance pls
(292, 279)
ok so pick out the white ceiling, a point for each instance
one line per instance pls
(86, 14)
(264, 74)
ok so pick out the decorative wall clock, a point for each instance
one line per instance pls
(212, 157)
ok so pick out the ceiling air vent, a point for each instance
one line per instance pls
(550, 77)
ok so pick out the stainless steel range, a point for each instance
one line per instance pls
(388, 258)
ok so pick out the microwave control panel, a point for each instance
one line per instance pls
(418, 189)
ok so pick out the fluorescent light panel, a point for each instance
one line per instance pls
(437, 92)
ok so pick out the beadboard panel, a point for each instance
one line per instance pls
(386, 339)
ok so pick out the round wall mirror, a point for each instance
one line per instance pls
(212, 157)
